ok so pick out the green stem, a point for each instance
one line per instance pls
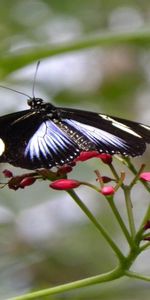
(141, 228)
(147, 214)
(109, 276)
(29, 55)
(127, 161)
(114, 172)
(136, 178)
(114, 209)
(97, 225)
(127, 191)
(120, 221)
(146, 218)
(146, 235)
(144, 247)
(137, 276)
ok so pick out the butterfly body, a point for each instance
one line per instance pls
(44, 136)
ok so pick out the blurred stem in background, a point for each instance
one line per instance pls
(29, 55)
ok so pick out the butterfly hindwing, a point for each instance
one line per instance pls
(35, 142)
(50, 146)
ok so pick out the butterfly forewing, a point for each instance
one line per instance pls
(109, 134)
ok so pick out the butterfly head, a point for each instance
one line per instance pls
(35, 102)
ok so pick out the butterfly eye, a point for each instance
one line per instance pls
(34, 102)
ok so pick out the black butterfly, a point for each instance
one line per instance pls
(45, 136)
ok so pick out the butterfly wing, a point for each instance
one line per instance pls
(108, 134)
(50, 146)
(32, 141)
(46, 137)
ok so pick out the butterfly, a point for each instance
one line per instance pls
(45, 136)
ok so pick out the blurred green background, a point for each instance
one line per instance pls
(44, 237)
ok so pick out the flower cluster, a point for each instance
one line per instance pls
(61, 182)
(66, 184)
(106, 186)
(16, 182)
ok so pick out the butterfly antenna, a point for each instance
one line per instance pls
(18, 92)
(34, 79)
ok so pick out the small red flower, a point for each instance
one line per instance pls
(64, 184)
(85, 155)
(27, 181)
(7, 173)
(145, 176)
(108, 190)
(106, 158)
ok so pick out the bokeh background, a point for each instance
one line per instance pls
(44, 237)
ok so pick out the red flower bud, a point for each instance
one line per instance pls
(106, 179)
(64, 184)
(72, 163)
(27, 181)
(14, 183)
(145, 176)
(147, 238)
(85, 155)
(7, 173)
(64, 170)
(147, 225)
(108, 190)
(106, 158)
